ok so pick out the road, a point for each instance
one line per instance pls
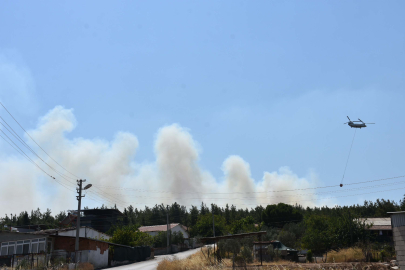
(152, 264)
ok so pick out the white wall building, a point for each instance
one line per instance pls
(174, 227)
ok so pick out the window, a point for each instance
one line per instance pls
(11, 250)
(3, 250)
(26, 247)
(19, 249)
(49, 246)
(41, 247)
(34, 248)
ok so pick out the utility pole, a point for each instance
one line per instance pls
(167, 232)
(213, 221)
(79, 198)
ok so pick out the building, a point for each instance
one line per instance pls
(398, 230)
(23, 243)
(84, 231)
(380, 227)
(99, 219)
(42, 248)
(174, 227)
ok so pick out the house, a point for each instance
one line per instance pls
(41, 248)
(174, 227)
(22, 243)
(380, 227)
(86, 232)
(99, 219)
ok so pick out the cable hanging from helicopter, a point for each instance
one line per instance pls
(352, 125)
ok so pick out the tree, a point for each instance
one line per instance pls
(160, 240)
(193, 215)
(242, 226)
(279, 214)
(203, 227)
(317, 236)
(130, 236)
(324, 233)
(227, 215)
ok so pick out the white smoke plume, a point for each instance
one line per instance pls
(118, 178)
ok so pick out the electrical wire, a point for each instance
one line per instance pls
(36, 142)
(29, 148)
(248, 192)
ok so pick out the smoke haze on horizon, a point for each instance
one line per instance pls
(117, 177)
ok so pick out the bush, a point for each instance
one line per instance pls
(130, 236)
(309, 256)
(246, 254)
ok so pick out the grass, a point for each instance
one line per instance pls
(346, 255)
(196, 261)
(199, 261)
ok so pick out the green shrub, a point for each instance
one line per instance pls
(309, 256)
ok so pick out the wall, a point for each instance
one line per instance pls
(97, 259)
(85, 232)
(399, 240)
(398, 231)
(179, 228)
(68, 244)
(152, 233)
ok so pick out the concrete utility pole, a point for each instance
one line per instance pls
(167, 232)
(213, 221)
(79, 198)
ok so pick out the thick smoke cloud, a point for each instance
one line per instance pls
(118, 178)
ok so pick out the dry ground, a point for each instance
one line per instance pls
(200, 261)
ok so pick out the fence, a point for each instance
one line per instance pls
(34, 260)
(122, 255)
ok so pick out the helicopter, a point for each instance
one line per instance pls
(353, 125)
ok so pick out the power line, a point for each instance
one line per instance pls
(29, 148)
(36, 142)
(266, 197)
(20, 151)
(248, 192)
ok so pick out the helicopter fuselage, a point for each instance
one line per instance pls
(353, 125)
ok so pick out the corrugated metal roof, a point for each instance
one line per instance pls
(53, 231)
(380, 228)
(398, 219)
(377, 221)
(157, 228)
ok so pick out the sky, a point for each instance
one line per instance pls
(155, 101)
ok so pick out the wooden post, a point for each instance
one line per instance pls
(261, 251)
(214, 250)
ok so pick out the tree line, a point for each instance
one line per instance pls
(317, 228)
(276, 215)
